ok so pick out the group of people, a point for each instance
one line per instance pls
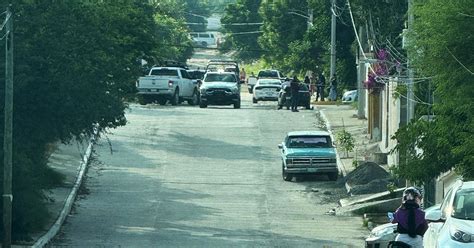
(321, 85)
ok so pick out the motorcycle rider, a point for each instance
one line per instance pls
(410, 219)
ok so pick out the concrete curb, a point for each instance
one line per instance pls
(340, 165)
(54, 229)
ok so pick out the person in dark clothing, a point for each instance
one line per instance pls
(333, 88)
(410, 219)
(320, 87)
(295, 88)
(307, 81)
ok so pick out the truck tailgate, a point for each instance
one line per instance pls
(153, 82)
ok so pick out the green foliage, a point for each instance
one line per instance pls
(75, 62)
(346, 140)
(243, 37)
(439, 46)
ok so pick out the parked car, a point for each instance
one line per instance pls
(203, 39)
(452, 224)
(251, 82)
(167, 83)
(284, 96)
(270, 74)
(220, 88)
(266, 90)
(349, 96)
(222, 65)
(308, 153)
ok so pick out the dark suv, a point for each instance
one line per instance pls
(284, 96)
(220, 88)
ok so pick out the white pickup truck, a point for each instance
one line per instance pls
(167, 83)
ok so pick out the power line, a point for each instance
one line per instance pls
(357, 36)
(459, 61)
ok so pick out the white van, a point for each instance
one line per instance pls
(203, 39)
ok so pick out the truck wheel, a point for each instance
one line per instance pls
(143, 100)
(250, 91)
(162, 101)
(308, 106)
(175, 99)
(237, 105)
(254, 100)
(203, 104)
(286, 176)
(333, 176)
(194, 99)
(204, 44)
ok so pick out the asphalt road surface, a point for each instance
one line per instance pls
(189, 177)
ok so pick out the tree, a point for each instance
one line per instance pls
(439, 44)
(243, 38)
(75, 62)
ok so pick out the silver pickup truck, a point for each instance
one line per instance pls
(164, 84)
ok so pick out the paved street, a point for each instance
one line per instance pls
(189, 177)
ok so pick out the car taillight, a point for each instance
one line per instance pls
(170, 83)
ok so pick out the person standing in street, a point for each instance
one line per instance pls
(295, 88)
(243, 75)
(333, 88)
(320, 87)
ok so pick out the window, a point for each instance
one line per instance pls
(309, 142)
(185, 74)
(204, 35)
(220, 78)
(268, 74)
(194, 35)
(446, 206)
(463, 205)
(164, 72)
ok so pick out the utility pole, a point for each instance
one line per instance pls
(361, 77)
(410, 98)
(333, 38)
(8, 133)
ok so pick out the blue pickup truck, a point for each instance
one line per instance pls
(308, 153)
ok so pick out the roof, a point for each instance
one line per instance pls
(468, 185)
(308, 133)
(221, 72)
(167, 67)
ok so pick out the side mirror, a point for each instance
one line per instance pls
(434, 215)
(280, 146)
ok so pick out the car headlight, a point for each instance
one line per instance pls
(203, 91)
(234, 89)
(461, 236)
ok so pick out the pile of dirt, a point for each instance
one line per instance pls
(368, 178)
(375, 186)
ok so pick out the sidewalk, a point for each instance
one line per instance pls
(338, 117)
(68, 160)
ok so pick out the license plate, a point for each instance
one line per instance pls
(311, 169)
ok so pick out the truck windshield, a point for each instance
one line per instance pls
(220, 78)
(164, 72)
(309, 142)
